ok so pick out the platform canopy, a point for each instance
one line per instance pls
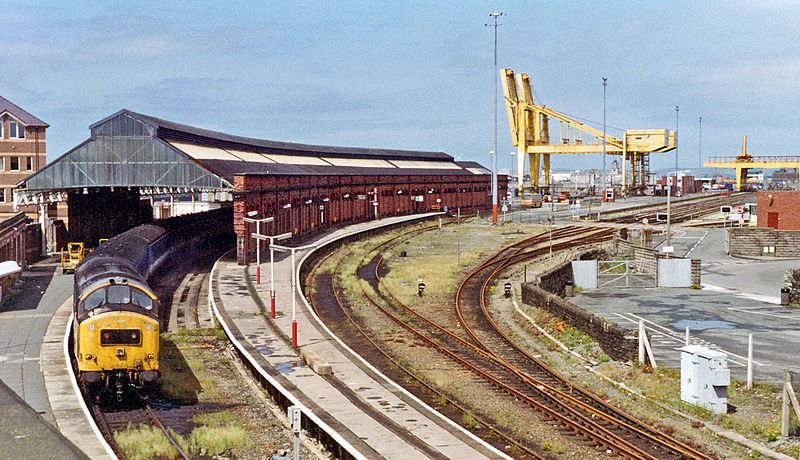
(133, 151)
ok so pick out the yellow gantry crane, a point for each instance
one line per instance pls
(744, 162)
(531, 123)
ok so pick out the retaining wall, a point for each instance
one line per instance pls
(792, 282)
(749, 241)
(618, 343)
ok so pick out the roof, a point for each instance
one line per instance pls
(129, 149)
(170, 130)
(23, 116)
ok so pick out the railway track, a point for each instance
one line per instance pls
(111, 421)
(491, 357)
(472, 308)
(339, 313)
(681, 210)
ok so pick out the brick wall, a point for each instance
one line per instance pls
(783, 206)
(748, 241)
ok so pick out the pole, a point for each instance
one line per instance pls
(687, 336)
(272, 279)
(749, 361)
(669, 211)
(603, 188)
(676, 141)
(494, 17)
(552, 203)
(700, 146)
(294, 302)
(258, 254)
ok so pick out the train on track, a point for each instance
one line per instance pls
(118, 315)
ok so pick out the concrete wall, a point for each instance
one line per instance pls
(618, 343)
(748, 241)
(784, 204)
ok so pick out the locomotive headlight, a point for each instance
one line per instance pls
(89, 356)
(150, 356)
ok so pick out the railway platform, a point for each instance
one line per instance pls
(375, 416)
(25, 434)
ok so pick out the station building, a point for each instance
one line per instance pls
(22, 149)
(110, 181)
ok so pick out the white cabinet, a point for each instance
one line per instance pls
(705, 378)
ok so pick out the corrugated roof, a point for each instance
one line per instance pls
(22, 115)
(172, 131)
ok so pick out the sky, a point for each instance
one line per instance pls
(410, 75)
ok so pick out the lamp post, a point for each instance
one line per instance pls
(272, 239)
(252, 219)
(676, 141)
(494, 24)
(294, 284)
(700, 145)
(603, 187)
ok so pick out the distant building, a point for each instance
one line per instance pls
(22, 149)
(778, 210)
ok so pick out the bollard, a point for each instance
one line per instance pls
(750, 361)
(272, 304)
(507, 288)
(420, 289)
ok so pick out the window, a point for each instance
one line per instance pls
(14, 164)
(95, 299)
(119, 294)
(29, 163)
(2, 163)
(2, 195)
(143, 300)
(15, 130)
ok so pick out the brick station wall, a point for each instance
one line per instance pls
(748, 241)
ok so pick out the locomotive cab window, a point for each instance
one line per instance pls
(119, 294)
(95, 299)
(143, 300)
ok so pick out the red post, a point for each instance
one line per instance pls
(272, 303)
(294, 334)
(494, 213)
(258, 274)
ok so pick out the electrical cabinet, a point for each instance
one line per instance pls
(705, 378)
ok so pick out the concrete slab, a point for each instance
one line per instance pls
(25, 434)
(66, 403)
(24, 316)
(367, 409)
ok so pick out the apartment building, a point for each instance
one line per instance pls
(22, 149)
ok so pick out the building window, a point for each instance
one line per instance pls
(29, 163)
(2, 163)
(15, 130)
(14, 164)
(2, 195)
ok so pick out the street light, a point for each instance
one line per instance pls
(511, 172)
(603, 188)
(494, 24)
(294, 284)
(676, 141)
(271, 240)
(252, 219)
(700, 145)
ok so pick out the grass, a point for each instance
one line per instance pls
(218, 440)
(143, 442)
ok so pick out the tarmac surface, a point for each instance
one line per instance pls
(739, 297)
(24, 317)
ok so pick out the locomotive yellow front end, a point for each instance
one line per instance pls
(117, 340)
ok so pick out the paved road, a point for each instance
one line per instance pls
(739, 297)
(24, 316)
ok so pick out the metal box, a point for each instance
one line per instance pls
(705, 378)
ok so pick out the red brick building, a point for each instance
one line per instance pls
(779, 210)
(22, 149)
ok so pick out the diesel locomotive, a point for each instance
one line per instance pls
(118, 316)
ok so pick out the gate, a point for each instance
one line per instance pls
(627, 273)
